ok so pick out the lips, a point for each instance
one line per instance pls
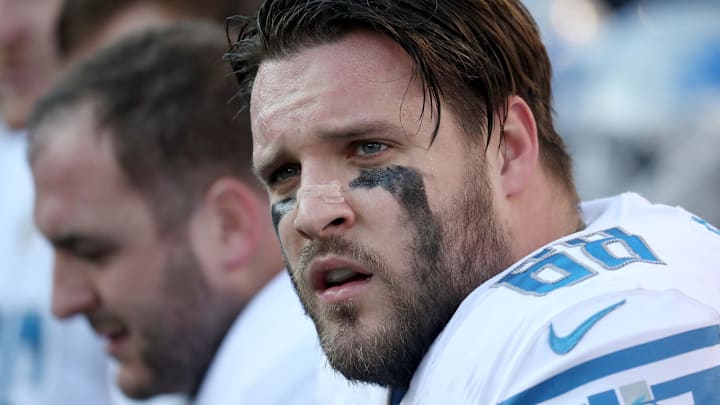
(115, 342)
(335, 280)
(114, 332)
(112, 335)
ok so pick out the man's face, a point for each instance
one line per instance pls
(141, 290)
(382, 268)
(27, 55)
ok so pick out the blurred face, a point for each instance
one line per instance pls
(141, 290)
(384, 231)
(27, 55)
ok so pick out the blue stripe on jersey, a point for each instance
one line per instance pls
(604, 398)
(616, 362)
(706, 224)
(705, 386)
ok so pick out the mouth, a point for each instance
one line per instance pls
(336, 280)
(114, 337)
(115, 343)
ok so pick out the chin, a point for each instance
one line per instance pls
(135, 382)
(369, 352)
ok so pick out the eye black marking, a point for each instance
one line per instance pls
(408, 188)
(280, 209)
(404, 183)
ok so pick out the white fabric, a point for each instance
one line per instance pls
(334, 389)
(658, 336)
(270, 356)
(42, 360)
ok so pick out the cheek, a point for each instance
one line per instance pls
(405, 184)
(137, 276)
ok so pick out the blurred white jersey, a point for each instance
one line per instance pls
(625, 312)
(270, 356)
(43, 361)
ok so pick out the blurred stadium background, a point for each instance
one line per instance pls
(637, 96)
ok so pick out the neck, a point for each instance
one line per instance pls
(544, 212)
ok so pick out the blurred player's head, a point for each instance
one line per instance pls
(409, 151)
(144, 188)
(28, 61)
(85, 26)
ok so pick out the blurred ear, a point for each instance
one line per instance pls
(226, 229)
(519, 147)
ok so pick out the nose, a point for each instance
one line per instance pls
(322, 212)
(73, 292)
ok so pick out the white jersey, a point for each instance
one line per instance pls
(43, 361)
(270, 356)
(624, 312)
(334, 389)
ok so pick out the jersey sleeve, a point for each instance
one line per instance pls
(627, 347)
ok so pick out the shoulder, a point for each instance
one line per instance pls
(569, 314)
(629, 346)
(570, 352)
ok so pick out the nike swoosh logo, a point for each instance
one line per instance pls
(563, 345)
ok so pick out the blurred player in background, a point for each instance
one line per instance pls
(145, 190)
(87, 25)
(42, 360)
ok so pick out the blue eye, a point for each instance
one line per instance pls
(370, 148)
(284, 173)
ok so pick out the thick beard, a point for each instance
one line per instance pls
(182, 339)
(453, 253)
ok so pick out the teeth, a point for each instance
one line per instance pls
(339, 276)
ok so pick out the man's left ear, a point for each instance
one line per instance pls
(225, 229)
(519, 146)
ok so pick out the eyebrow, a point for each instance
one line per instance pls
(345, 133)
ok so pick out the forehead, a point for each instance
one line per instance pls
(329, 84)
(79, 184)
